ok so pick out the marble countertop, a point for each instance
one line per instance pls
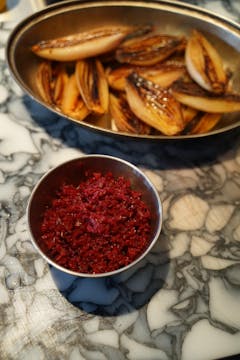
(182, 302)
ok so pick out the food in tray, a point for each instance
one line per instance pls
(124, 119)
(205, 65)
(92, 84)
(149, 49)
(191, 94)
(154, 105)
(149, 83)
(82, 45)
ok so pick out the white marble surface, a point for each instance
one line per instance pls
(182, 302)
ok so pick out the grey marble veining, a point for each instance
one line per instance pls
(180, 303)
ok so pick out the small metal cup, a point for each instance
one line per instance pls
(73, 172)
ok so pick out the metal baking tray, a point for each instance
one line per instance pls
(171, 17)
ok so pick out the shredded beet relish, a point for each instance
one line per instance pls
(98, 226)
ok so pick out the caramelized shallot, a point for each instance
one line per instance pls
(72, 103)
(124, 119)
(82, 45)
(149, 50)
(162, 74)
(92, 84)
(44, 81)
(154, 105)
(190, 94)
(205, 65)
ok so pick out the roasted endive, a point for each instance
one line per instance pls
(72, 103)
(190, 94)
(92, 84)
(154, 105)
(205, 123)
(124, 119)
(205, 65)
(44, 78)
(163, 74)
(82, 45)
(149, 49)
